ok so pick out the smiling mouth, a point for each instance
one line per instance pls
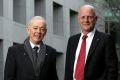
(37, 36)
(86, 24)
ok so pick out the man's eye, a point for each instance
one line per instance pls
(34, 28)
(83, 17)
(90, 17)
(42, 29)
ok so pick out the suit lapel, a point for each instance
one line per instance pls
(73, 48)
(94, 44)
(41, 56)
(75, 44)
(29, 50)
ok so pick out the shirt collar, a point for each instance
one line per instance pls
(33, 45)
(90, 33)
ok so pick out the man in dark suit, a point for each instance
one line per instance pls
(97, 59)
(32, 60)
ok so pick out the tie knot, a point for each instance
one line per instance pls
(84, 37)
(35, 48)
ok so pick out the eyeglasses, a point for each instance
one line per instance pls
(87, 17)
(42, 29)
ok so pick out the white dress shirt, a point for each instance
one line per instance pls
(33, 45)
(88, 44)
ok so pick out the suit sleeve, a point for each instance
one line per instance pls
(9, 71)
(111, 59)
(67, 65)
(53, 68)
(52, 72)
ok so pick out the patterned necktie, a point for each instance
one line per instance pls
(79, 70)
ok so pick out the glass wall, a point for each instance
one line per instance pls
(112, 25)
(111, 10)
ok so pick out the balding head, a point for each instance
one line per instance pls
(88, 8)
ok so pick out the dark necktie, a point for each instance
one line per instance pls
(35, 50)
(79, 70)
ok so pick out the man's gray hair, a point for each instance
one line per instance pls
(36, 18)
(89, 6)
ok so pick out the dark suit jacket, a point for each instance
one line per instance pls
(19, 65)
(101, 63)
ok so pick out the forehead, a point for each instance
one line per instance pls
(37, 22)
(87, 10)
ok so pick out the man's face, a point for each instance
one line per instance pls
(36, 31)
(87, 19)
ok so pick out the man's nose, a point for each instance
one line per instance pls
(39, 30)
(86, 18)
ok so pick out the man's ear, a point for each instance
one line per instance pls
(27, 29)
(45, 31)
(96, 17)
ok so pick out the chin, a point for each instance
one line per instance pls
(38, 42)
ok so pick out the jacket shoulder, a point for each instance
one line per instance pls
(18, 47)
(103, 35)
(74, 37)
(51, 50)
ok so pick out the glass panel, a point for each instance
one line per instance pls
(111, 9)
(112, 25)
